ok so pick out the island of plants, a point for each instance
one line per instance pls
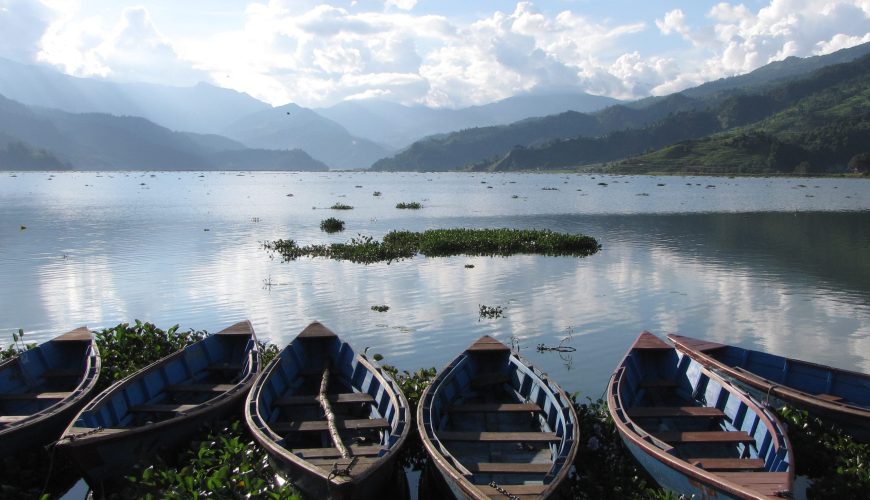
(398, 245)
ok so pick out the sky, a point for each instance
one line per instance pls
(439, 53)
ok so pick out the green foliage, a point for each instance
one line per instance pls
(341, 206)
(838, 465)
(383, 308)
(604, 467)
(443, 243)
(332, 225)
(412, 205)
(227, 464)
(126, 349)
(16, 347)
(490, 312)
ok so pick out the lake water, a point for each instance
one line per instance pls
(775, 264)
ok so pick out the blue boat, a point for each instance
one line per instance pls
(163, 405)
(495, 426)
(331, 420)
(840, 396)
(695, 433)
(42, 388)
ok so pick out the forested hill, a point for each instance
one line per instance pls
(570, 140)
(816, 124)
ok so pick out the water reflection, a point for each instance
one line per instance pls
(794, 283)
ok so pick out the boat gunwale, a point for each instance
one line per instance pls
(90, 374)
(269, 439)
(780, 391)
(92, 435)
(443, 462)
(636, 433)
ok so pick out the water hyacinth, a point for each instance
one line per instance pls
(398, 245)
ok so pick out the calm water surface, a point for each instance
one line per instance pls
(773, 264)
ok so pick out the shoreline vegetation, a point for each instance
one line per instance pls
(397, 245)
(225, 461)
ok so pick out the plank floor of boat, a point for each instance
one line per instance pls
(204, 388)
(705, 437)
(766, 483)
(498, 437)
(495, 408)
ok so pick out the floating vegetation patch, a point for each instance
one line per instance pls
(376, 193)
(332, 225)
(341, 206)
(412, 205)
(381, 308)
(398, 245)
(469, 266)
(490, 312)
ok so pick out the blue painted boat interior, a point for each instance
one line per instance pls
(298, 373)
(200, 372)
(460, 384)
(52, 367)
(666, 378)
(853, 388)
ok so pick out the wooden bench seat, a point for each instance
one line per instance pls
(766, 483)
(499, 437)
(518, 490)
(674, 411)
(495, 408)
(355, 450)
(488, 379)
(34, 395)
(215, 388)
(509, 468)
(321, 425)
(311, 399)
(830, 397)
(162, 408)
(706, 437)
(11, 419)
(725, 464)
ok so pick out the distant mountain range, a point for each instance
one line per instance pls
(572, 140)
(52, 120)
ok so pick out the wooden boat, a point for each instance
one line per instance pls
(695, 433)
(331, 420)
(839, 395)
(42, 388)
(162, 405)
(494, 425)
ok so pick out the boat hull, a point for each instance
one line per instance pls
(74, 352)
(491, 423)
(839, 396)
(146, 413)
(288, 418)
(695, 433)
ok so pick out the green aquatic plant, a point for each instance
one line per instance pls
(412, 205)
(228, 463)
(16, 347)
(490, 312)
(398, 245)
(341, 206)
(127, 348)
(382, 308)
(332, 225)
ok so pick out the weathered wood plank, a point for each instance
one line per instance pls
(487, 379)
(11, 419)
(311, 399)
(499, 437)
(321, 425)
(830, 397)
(34, 395)
(706, 437)
(674, 411)
(495, 408)
(723, 464)
(509, 468)
(216, 388)
(355, 450)
(162, 408)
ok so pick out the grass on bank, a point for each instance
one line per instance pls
(398, 245)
